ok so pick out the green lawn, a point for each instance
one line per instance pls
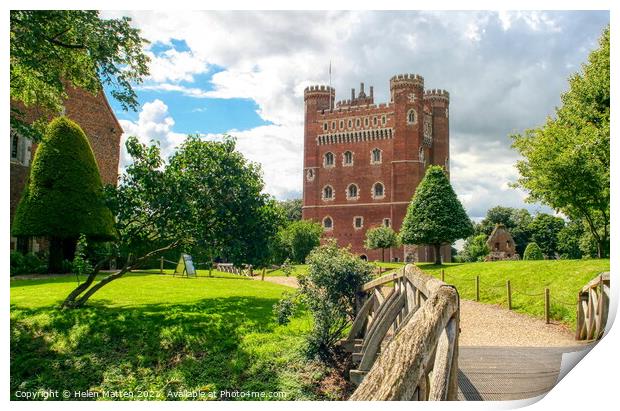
(159, 334)
(528, 281)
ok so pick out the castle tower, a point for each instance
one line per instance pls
(363, 161)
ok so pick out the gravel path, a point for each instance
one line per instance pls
(288, 281)
(490, 325)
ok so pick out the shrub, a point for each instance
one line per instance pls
(475, 249)
(64, 194)
(299, 238)
(329, 290)
(285, 308)
(287, 267)
(532, 252)
(26, 264)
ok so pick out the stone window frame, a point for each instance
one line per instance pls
(375, 121)
(21, 149)
(341, 124)
(350, 123)
(310, 174)
(383, 120)
(344, 159)
(331, 227)
(358, 123)
(333, 160)
(421, 155)
(366, 122)
(325, 126)
(348, 192)
(415, 116)
(333, 124)
(374, 191)
(389, 222)
(332, 191)
(372, 156)
(355, 218)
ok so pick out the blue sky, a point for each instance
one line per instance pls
(244, 73)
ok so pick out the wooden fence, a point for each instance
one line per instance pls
(593, 308)
(404, 334)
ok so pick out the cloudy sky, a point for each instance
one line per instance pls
(243, 73)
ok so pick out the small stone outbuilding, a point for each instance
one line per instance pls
(501, 244)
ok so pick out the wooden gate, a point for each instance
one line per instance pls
(403, 333)
(593, 308)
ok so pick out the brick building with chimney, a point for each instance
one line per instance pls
(363, 161)
(95, 116)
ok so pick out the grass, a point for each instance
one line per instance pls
(160, 335)
(528, 279)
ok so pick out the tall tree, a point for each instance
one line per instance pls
(544, 231)
(516, 221)
(381, 237)
(566, 161)
(435, 215)
(207, 201)
(64, 195)
(53, 49)
(475, 249)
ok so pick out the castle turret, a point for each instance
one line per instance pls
(317, 99)
(438, 102)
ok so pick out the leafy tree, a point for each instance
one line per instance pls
(53, 49)
(206, 201)
(381, 237)
(475, 249)
(532, 252)
(569, 239)
(544, 229)
(64, 195)
(435, 215)
(329, 290)
(497, 215)
(299, 238)
(567, 161)
(292, 209)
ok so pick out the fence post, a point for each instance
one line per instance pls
(477, 288)
(443, 275)
(262, 276)
(547, 306)
(161, 265)
(509, 291)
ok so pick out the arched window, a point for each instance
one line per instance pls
(347, 158)
(352, 192)
(378, 191)
(383, 119)
(366, 122)
(328, 193)
(341, 124)
(411, 117)
(310, 174)
(328, 160)
(328, 223)
(325, 126)
(375, 157)
(350, 123)
(357, 122)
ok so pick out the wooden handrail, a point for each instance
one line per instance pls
(593, 308)
(423, 313)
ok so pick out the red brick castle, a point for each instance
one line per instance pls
(363, 162)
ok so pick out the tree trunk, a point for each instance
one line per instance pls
(54, 261)
(437, 254)
(383, 254)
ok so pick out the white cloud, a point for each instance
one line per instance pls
(505, 72)
(154, 124)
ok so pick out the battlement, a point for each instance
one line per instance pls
(320, 89)
(406, 79)
(436, 94)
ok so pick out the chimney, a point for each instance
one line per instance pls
(352, 94)
(361, 89)
(371, 90)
